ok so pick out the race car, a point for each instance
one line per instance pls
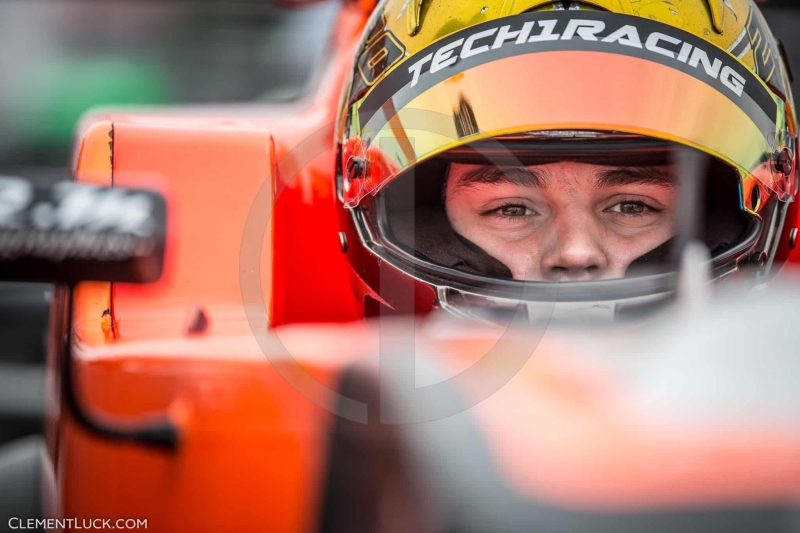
(210, 367)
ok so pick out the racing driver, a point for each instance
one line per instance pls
(508, 150)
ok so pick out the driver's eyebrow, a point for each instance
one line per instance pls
(634, 176)
(491, 175)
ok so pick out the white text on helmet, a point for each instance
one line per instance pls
(656, 43)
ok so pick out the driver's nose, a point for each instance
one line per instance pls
(576, 251)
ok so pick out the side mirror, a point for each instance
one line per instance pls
(71, 232)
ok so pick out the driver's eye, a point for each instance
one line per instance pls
(632, 208)
(513, 211)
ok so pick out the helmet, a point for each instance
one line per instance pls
(489, 153)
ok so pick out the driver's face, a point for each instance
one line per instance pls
(562, 221)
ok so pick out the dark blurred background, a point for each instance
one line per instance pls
(59, 58)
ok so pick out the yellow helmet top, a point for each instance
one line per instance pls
(736, 26)
(432, 75)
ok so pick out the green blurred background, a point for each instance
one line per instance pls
(59, 58)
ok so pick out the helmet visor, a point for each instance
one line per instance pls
(599, 72)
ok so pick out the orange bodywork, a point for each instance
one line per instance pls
(251, 205)
(252, 447)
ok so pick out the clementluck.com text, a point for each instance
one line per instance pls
(76, 523)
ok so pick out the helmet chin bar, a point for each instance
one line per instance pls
(543, 314)
(598, 302)
(629, 299)
(602, 307)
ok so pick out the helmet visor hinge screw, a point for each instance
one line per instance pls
(783, 161)
(356, 168)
